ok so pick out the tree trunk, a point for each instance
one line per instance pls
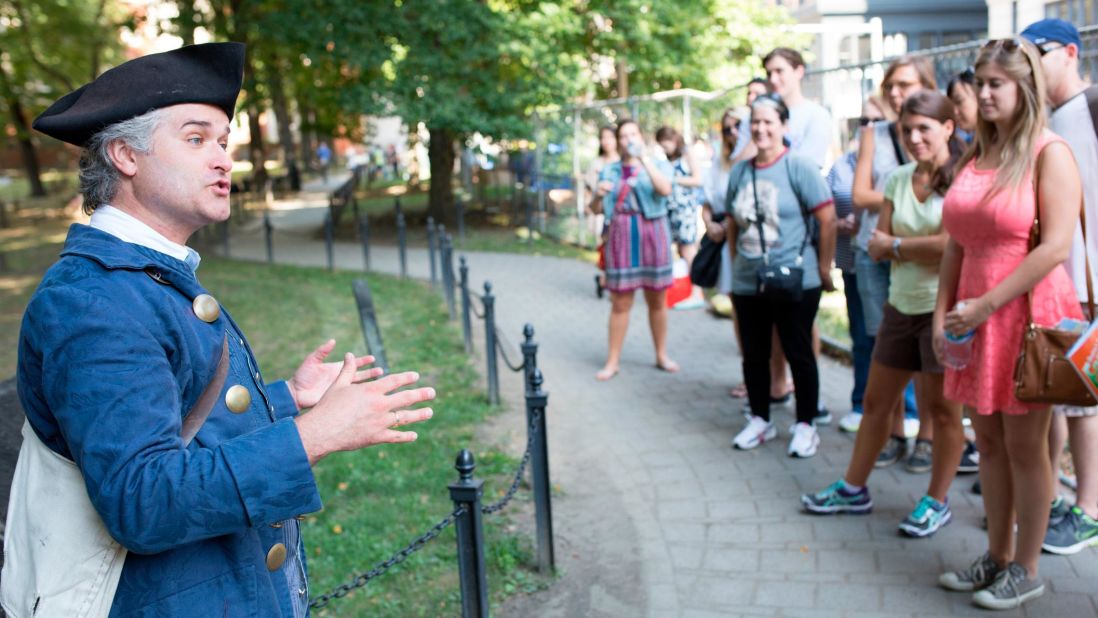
(285, 135)
(306, 130)
(440, 151)
(26, 148)
(621, 68)
(257, 153)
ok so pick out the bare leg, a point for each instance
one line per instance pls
(997, 486)
(948, 430)
(898, 417)
(1057, 438)
(620, 305)
(657, 322)
(779, 369)
(1083, 432)
(1026, 436)
(926, 424)
(883, 390)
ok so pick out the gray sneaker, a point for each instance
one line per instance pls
(893, 451)
(978, 575)
(1010, 589)
(921, 457)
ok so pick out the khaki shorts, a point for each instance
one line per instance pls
(906, 342)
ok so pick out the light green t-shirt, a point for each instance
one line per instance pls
(914, 287)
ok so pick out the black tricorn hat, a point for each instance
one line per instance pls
(209, 73)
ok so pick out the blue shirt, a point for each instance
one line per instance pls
(652, 204)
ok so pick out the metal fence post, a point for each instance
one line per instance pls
(268, 233)
(469, 527)
(536, 400)
(402, 242)
(363, 234)
(466, 319)
(529, 355)
(432, 239)
(490, 343)
(448, 275)
(329, 240)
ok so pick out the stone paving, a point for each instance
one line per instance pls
(676, 522)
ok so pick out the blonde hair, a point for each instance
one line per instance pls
(1020, 61)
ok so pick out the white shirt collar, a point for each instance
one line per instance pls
(127, 228)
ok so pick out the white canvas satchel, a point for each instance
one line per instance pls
(59, 559)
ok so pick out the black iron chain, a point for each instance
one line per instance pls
(473, 306)
(380, 568)
(503, 502)
(502, 347)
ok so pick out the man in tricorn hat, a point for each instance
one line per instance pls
(159, 474)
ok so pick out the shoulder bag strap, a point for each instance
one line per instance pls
(1035, 239)
(894, 135)
(758, 215)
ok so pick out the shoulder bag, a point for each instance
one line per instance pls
(705, 270)
(1043, 374)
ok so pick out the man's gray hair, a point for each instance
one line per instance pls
(99, 177)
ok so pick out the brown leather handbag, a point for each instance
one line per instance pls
(1043, 373)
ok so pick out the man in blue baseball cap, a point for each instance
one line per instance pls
(1074, 109)
(160, 475)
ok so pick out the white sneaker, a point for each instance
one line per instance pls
(755, 433)
(851, 422)
(911, 427)
(804, 441)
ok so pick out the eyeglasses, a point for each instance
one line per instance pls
(1049, 47)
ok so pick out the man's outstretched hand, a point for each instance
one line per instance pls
(356, 411)
(314, 376)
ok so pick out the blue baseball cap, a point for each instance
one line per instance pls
(1053, 30)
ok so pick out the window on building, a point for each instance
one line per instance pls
(1078, 12)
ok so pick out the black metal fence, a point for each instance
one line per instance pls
(466, 493)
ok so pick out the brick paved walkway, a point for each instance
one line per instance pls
(677, 522)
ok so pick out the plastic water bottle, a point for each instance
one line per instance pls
(958, 348)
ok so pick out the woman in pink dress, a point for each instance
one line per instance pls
(1014, 165)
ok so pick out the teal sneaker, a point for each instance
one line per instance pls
(1074, 532)
(927, 518)
(836, 498)
(1059, 509)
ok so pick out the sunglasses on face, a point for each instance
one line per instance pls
(726, 131)
(1047, 48)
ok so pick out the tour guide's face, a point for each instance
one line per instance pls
(185, 177)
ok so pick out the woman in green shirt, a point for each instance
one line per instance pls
(909, 233)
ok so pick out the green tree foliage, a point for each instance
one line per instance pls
(47, 48)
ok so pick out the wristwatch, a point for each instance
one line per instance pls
(896, 248)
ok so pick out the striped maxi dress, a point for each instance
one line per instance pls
(638, 250)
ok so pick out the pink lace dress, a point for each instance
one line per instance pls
(995, 235)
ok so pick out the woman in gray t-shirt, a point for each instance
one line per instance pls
(772, 199)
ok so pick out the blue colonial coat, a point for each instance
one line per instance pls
(111, 356)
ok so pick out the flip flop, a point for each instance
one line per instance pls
(670, 367)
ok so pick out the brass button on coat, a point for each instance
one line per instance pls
(276, 556)
(237, 398)
(206, 308)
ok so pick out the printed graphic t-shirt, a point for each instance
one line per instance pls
(786, 188)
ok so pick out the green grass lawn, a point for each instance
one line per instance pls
(379, 499)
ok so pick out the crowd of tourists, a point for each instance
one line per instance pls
(956, 220)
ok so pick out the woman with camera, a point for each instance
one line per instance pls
(634, 194)
(777, 277)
